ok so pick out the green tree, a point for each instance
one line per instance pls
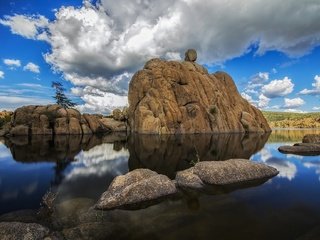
(60, 97)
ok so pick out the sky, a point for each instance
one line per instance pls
(270, 48)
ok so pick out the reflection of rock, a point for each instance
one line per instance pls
(168, 154)
(58, 148)
(311, 138)
(229, 172)
(304, 149)
(135, 187)
(169, 97)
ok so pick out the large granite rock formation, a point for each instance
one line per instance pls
(56, 120)
(169, 97)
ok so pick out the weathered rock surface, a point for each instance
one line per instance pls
(190, 55)
(311, 138)
(304, 149)
(25, 231)
(224, 173)
(188, 179)
(138, 186)
(170, 97)
(55, 120)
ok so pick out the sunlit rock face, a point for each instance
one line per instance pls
(167, 154)
(170, 97)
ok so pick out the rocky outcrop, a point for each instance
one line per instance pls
(232, 171)
(55, 120)
(170, 97)
(138, 186)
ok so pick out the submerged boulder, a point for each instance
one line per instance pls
(232, 171)
(138, 186)
(169, 97)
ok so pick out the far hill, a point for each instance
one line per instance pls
(292, 120)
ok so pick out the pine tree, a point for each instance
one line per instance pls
(60, 97)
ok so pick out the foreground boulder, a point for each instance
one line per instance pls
(224, 173)
(169, 97)
(138, 186)
(18, 230)
(304, 149)
(56, 120)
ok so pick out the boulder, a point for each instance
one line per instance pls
(170, 97)
(188, 179)
(311, 138)
(117, 115)
(20, 130)
(138, 186)
(304, 149)
(190, 55)
(95, 124)
(18, 230)
(73, 113)
(232, 171)
(74, 126)
(114, 125)
(61, 126)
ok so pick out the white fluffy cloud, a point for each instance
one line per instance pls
(293, 103)
(263, 101)
(12, 62)
(315, 85)
(278, 88)
(1, 74)
(32, 67)
(97, 43)
(31, 27)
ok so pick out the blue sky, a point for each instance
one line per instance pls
(271, 49)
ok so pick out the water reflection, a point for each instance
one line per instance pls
(168, 154)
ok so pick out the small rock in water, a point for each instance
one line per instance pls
(304, 149)
(232, 171)
(138, 186)
(191, 55)
(187, 178)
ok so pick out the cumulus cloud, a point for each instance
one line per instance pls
(247, 97)
(1, 74)
(31, 27)
(293, 103)
(12, 62)
(316, 108)
(315, 85)
(96, 43)
(32, 67)
(13, 102)
(263, 101)
(278, 88)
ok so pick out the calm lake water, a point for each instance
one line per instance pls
(285, 207)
